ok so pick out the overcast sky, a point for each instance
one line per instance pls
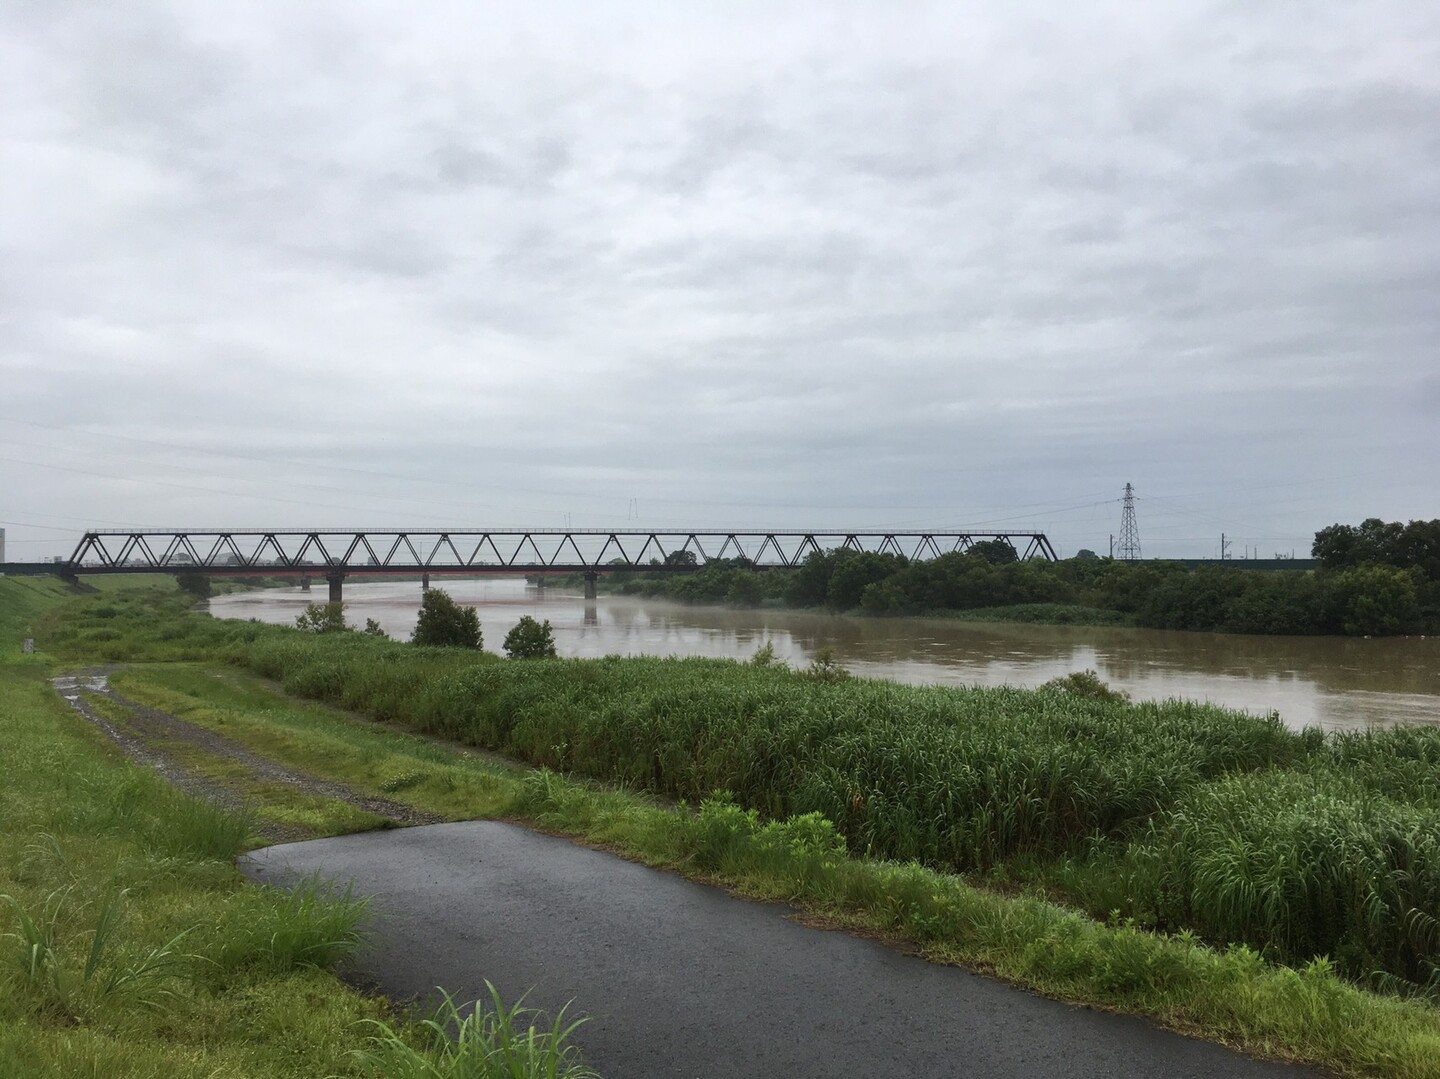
(730, 264)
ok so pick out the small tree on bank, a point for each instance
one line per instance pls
(529, 639)
(322, 618)
(444, 622)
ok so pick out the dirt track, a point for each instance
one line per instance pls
(146, 735)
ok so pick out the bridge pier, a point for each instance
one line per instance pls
(304, 584)
(590, 578)
(335, 580)
(424, 583)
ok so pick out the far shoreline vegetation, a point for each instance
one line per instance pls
(1372, 580)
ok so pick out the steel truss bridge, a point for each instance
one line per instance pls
(334, 553)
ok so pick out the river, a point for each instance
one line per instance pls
(1332, 682)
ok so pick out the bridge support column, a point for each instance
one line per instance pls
(335, 580)
(304, 584)
(424, 583)
(590, 579)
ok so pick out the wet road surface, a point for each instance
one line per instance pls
(682, 980)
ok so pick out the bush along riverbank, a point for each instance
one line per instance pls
(1268, 887)
(1378, 579)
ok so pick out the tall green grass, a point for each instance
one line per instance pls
(1300, 865)
(956, 778)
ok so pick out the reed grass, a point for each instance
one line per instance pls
(1304, 865)
(955, 778)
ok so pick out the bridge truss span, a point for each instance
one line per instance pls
(387, 551)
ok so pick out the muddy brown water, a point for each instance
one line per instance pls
(1336, 683)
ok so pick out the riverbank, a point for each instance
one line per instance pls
(1049, 806)
(1356, 600)
(1038, 614)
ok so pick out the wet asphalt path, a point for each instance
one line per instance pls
(682, 980)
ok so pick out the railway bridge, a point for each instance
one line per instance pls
(338, 553)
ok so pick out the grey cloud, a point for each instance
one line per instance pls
(776, 265)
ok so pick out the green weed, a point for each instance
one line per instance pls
(56, 980)
(482, 1041)
(312, 924)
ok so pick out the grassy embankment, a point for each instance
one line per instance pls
(1216, 847)
(129, 945)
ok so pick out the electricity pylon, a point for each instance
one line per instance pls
(1128, 549)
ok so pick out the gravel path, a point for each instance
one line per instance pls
(146, 732)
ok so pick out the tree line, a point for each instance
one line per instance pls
(1375, 579)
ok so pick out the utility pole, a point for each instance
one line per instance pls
(1129, 533)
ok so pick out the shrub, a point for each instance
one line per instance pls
(322, 618)
(446, 623)
(529, 639)
(826, 668)
(1085, 684)
(765, 656)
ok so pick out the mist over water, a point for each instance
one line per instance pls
(1332, 682)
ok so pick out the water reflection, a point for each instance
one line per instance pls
(1334, 682)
